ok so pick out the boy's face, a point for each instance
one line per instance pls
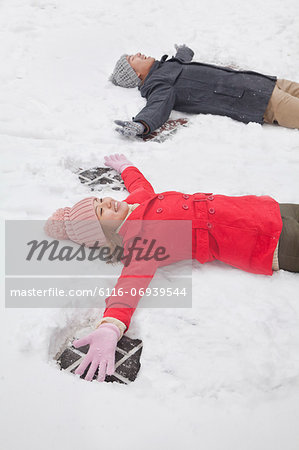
(140, 63)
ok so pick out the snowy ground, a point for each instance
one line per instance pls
(227, 373)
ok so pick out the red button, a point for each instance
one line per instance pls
(159, 210)
(185, 207)
(160, 197)
(185, 196)
(209, 225)
(212, 211)
(211, 197)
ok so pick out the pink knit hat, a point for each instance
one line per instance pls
(79, 224)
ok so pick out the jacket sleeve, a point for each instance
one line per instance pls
(184, 53)
(128, 290)
(158, 108)
(134, 179)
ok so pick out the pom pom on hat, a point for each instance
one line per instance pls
(55, 225)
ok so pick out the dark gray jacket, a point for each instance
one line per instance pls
(194, 87)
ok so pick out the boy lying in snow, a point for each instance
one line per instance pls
(193, 87)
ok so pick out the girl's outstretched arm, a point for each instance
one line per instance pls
(132, 177)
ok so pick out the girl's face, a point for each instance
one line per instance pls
(110, 212)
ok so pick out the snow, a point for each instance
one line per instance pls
(223, 374)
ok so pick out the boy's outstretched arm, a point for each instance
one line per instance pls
(158, 108)
(156, 112)
(184, 53)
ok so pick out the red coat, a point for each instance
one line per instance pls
(240, 231)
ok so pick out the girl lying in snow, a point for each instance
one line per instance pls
(255, 234)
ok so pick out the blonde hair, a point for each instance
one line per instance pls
(115, 244)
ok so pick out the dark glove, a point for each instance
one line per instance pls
(129, 128)
(177, 46)
(183, 53)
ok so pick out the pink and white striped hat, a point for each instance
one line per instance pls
(79, 224)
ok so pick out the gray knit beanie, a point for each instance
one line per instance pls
(124, 75)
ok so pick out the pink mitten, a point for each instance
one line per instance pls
(118, 162)
(102, 345)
